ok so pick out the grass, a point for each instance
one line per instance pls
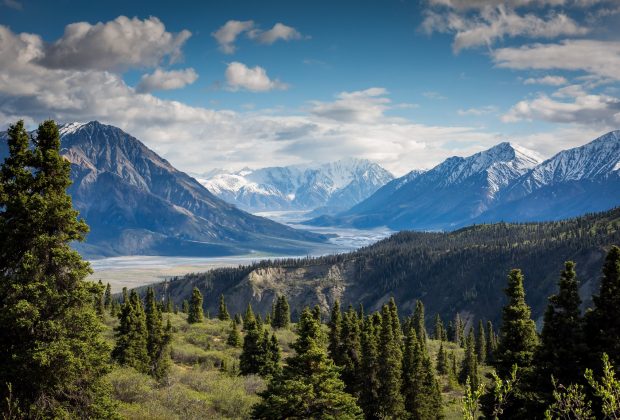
(204, 381)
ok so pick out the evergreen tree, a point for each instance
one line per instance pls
(51, 350)
(391, 403)
(561, 349)
(518, 339)
(350, 351)
(335, 327)
(419, 323)
(309, 386)
(603, 322)
(397, 331)
(316, 312)
(234, 337)
(195, 314)
(469, 366)
(132, 336)
(99, 299)
(222, 314)
(369, 372)
(491, 342)
(481, 344)
(282, 315)
(272, 355)
(440, 332)
(185, 306)
(253, 357)
(107, 298)
(158, 339)
(442, 360)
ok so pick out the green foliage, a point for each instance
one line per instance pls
(195, 314)
(469, 367)
(481, 344)
(309, 386)
(132, 336)
(282, 313)
(471, 401)
(335, 327)
(158, 339)
(51, 352)
(569, 403)
(369, 371)
(107, 298)
(502, 391)
(350, 351)
(419, 322)
(391, 404)
(439, 330)
(222, 313)
(234, 337)
(608, 389)
(491, 343)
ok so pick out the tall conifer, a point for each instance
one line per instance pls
(195, 313)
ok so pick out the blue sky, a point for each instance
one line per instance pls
(246, 83)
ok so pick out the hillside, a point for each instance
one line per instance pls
(462, 271)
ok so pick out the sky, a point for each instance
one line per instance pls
(233, 84)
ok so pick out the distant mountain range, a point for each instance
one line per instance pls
(326, 188)
(135, 202)
(503, 183)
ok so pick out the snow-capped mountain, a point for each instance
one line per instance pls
(137, 203)
(456, 190)
(506, 182)
(328, 187)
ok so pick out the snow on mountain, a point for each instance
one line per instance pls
(330, 186)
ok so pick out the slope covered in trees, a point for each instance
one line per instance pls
(462, 271)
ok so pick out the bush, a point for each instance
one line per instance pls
(130, 386)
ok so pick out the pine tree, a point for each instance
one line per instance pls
(271, 355)
(99, 299)
(419, 322)
(518, 339)
(442, 360)
(185, 306)
(107, 298)
(132, 336)
(369, 371)
(603, 322)
(391, 403)
(234, 337)
(222, 314)
(440, 332)
(51, 349)
(562, 345)
(469, 366)
(335, 327)
(350, 351)
(481, 344)
(309, 386)
(195, 314)
(253, 357)
(282, 315)
(316, 312)
(491, 343)
(396, 329)
(158, 339)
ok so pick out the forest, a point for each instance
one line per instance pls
(72, 349)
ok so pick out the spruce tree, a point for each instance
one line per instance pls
(234, 337)
(248, 317)
(350, 351)
(442, 360)
(369, 371)
(223, 314)
(309, 385)
(469, 366)
(518, 338)
(107, 298)
(98, 295)
(419, 322)
(253, 357)
(195, 314)
(282, 315)
(396, 329)
(481, 344)
(316, 313)
(440, 332)
(158, 339)
(51, 349)
(132, 336)
(335, 327)
(603, 322)
(491, 343)
(391, 404)
(185, 306)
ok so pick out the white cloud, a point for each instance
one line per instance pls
(227, 34)
(366, 106)
(115, 45)
(255, 79)
(601, 58)
(166, 80)
(578, 107)
(433, 95)
(493, 23)
(279, 31)
(546, 80)
(13, 4)
(478, 4)
(489, 109)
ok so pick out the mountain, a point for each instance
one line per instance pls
(460, 271)
(325, 188)
(452, 193)
(137, 203)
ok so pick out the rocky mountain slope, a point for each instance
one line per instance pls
(325, 188)
(137, 203)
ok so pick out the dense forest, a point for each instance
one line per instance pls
(461, 271)
(72, 349)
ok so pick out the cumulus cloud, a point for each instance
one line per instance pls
(116, 45)
(601, 58)
(493, 23)
(166, 80)
(254, 79)
(279, 31)
(489, 109)
(231, 30)
(546, 80)
(227, 34)
(578, 107)
(365, 106)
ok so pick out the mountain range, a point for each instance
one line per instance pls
(504, 183)
(137, 203)
(323, 188)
